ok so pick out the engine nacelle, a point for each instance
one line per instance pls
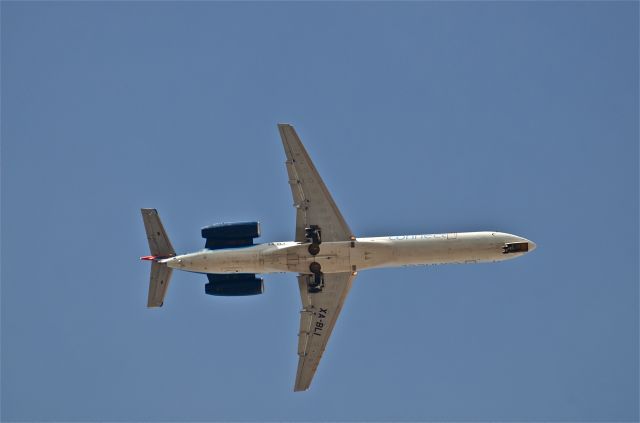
(235, 285)
(230, 235)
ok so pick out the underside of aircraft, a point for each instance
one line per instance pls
(325, 255)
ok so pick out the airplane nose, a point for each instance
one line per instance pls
(532, 245)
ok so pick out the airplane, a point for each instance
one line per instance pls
(325, 254)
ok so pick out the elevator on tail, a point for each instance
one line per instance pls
(325, 254)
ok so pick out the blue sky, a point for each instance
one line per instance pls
(426, 117)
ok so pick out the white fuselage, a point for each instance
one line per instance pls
(352, 256)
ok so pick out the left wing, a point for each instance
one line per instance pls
(319, 313)
(311, 198)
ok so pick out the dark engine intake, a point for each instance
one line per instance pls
(234, 285)
(230, 235)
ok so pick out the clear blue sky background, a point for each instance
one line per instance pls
(422, 117)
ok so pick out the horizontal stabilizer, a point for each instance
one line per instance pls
(158, 284)
(159, 244)
(160, 248)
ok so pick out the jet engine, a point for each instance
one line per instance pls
(230, 235)
(235, 285)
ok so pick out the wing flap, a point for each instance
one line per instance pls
(306, 318)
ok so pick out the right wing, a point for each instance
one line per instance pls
(311, 198)
(318, 316)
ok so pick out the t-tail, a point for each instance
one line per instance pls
(160, 248)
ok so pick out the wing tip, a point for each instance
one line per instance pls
(300, 388)
(285, 126)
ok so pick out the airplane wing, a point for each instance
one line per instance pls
(311, 198)
(318, 316)
(314, 206)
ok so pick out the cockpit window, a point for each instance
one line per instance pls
(515, 247)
